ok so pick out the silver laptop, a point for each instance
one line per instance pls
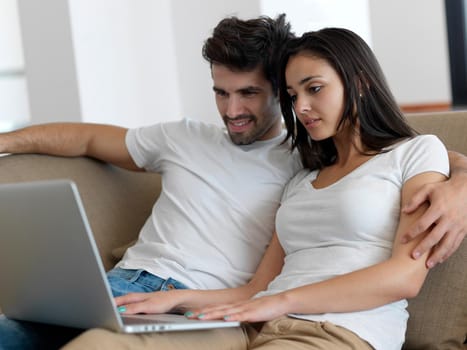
(50, 268)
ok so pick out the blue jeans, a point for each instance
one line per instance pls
(30, 335)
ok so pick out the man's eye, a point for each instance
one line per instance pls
(220, 93)
(249, 93)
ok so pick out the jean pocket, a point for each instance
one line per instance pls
(127, 275)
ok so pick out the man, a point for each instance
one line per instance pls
(215, 215)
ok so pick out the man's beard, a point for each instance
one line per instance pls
(247, 137)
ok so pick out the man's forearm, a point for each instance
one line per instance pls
(104, 142)
(64, 139)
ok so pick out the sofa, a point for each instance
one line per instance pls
(117, 203)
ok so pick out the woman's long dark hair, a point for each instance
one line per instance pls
(368, 99)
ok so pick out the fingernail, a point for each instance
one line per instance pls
(404, 240)
(416, 254)
(121, 309)
(430, 264)
(188, 314)
(200, 316)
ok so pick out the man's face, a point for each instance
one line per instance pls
(247, 104)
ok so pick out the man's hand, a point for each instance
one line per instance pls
(446, 218)
(148, 303)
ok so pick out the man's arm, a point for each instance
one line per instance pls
(103, 142)
(446, 215)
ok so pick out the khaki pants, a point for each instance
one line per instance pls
(283, 333)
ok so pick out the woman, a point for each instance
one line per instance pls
(346, 273)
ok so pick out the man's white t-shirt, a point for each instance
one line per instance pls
(215, 214)
(351, 225)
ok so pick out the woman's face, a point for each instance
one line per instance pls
(317, 93)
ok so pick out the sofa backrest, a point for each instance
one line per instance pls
(450, 127)
(117, 202)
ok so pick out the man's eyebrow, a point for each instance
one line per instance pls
(216, 89)
(250, 89)
(241, 90)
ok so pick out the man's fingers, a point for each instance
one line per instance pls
(428, 242)
(420, 197)
(136, 308)
(130, 298)
(421, 225)
(450, 243)
(442, 250)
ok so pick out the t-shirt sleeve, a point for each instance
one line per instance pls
(149, 145)
(424, 153)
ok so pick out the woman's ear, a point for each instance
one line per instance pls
(362, 85)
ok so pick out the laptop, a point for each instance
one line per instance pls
(50, 268)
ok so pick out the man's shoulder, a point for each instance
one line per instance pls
(201, 127)
(185, 127)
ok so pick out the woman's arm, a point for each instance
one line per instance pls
(182, 300)
(396, 278)
(448, 210)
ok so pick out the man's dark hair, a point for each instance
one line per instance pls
(243, 45)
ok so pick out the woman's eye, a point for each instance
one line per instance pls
(315, 89)
(293, 98)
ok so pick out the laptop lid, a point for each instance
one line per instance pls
(50, 267)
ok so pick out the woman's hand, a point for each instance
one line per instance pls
(253, 310)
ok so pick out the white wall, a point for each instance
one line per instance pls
(14, 108)
(410, 41)
(49, 61)
(307, 15)
(137, 62)
(125, 59)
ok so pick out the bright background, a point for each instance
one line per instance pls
(134, 63)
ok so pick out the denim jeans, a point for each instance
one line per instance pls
(30, 335)
(137, 281)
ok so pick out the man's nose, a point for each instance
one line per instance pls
(235, 107)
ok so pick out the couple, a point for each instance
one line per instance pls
(330, 277)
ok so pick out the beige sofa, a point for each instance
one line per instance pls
(117, 203)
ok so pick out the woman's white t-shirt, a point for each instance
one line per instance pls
(351, 225)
